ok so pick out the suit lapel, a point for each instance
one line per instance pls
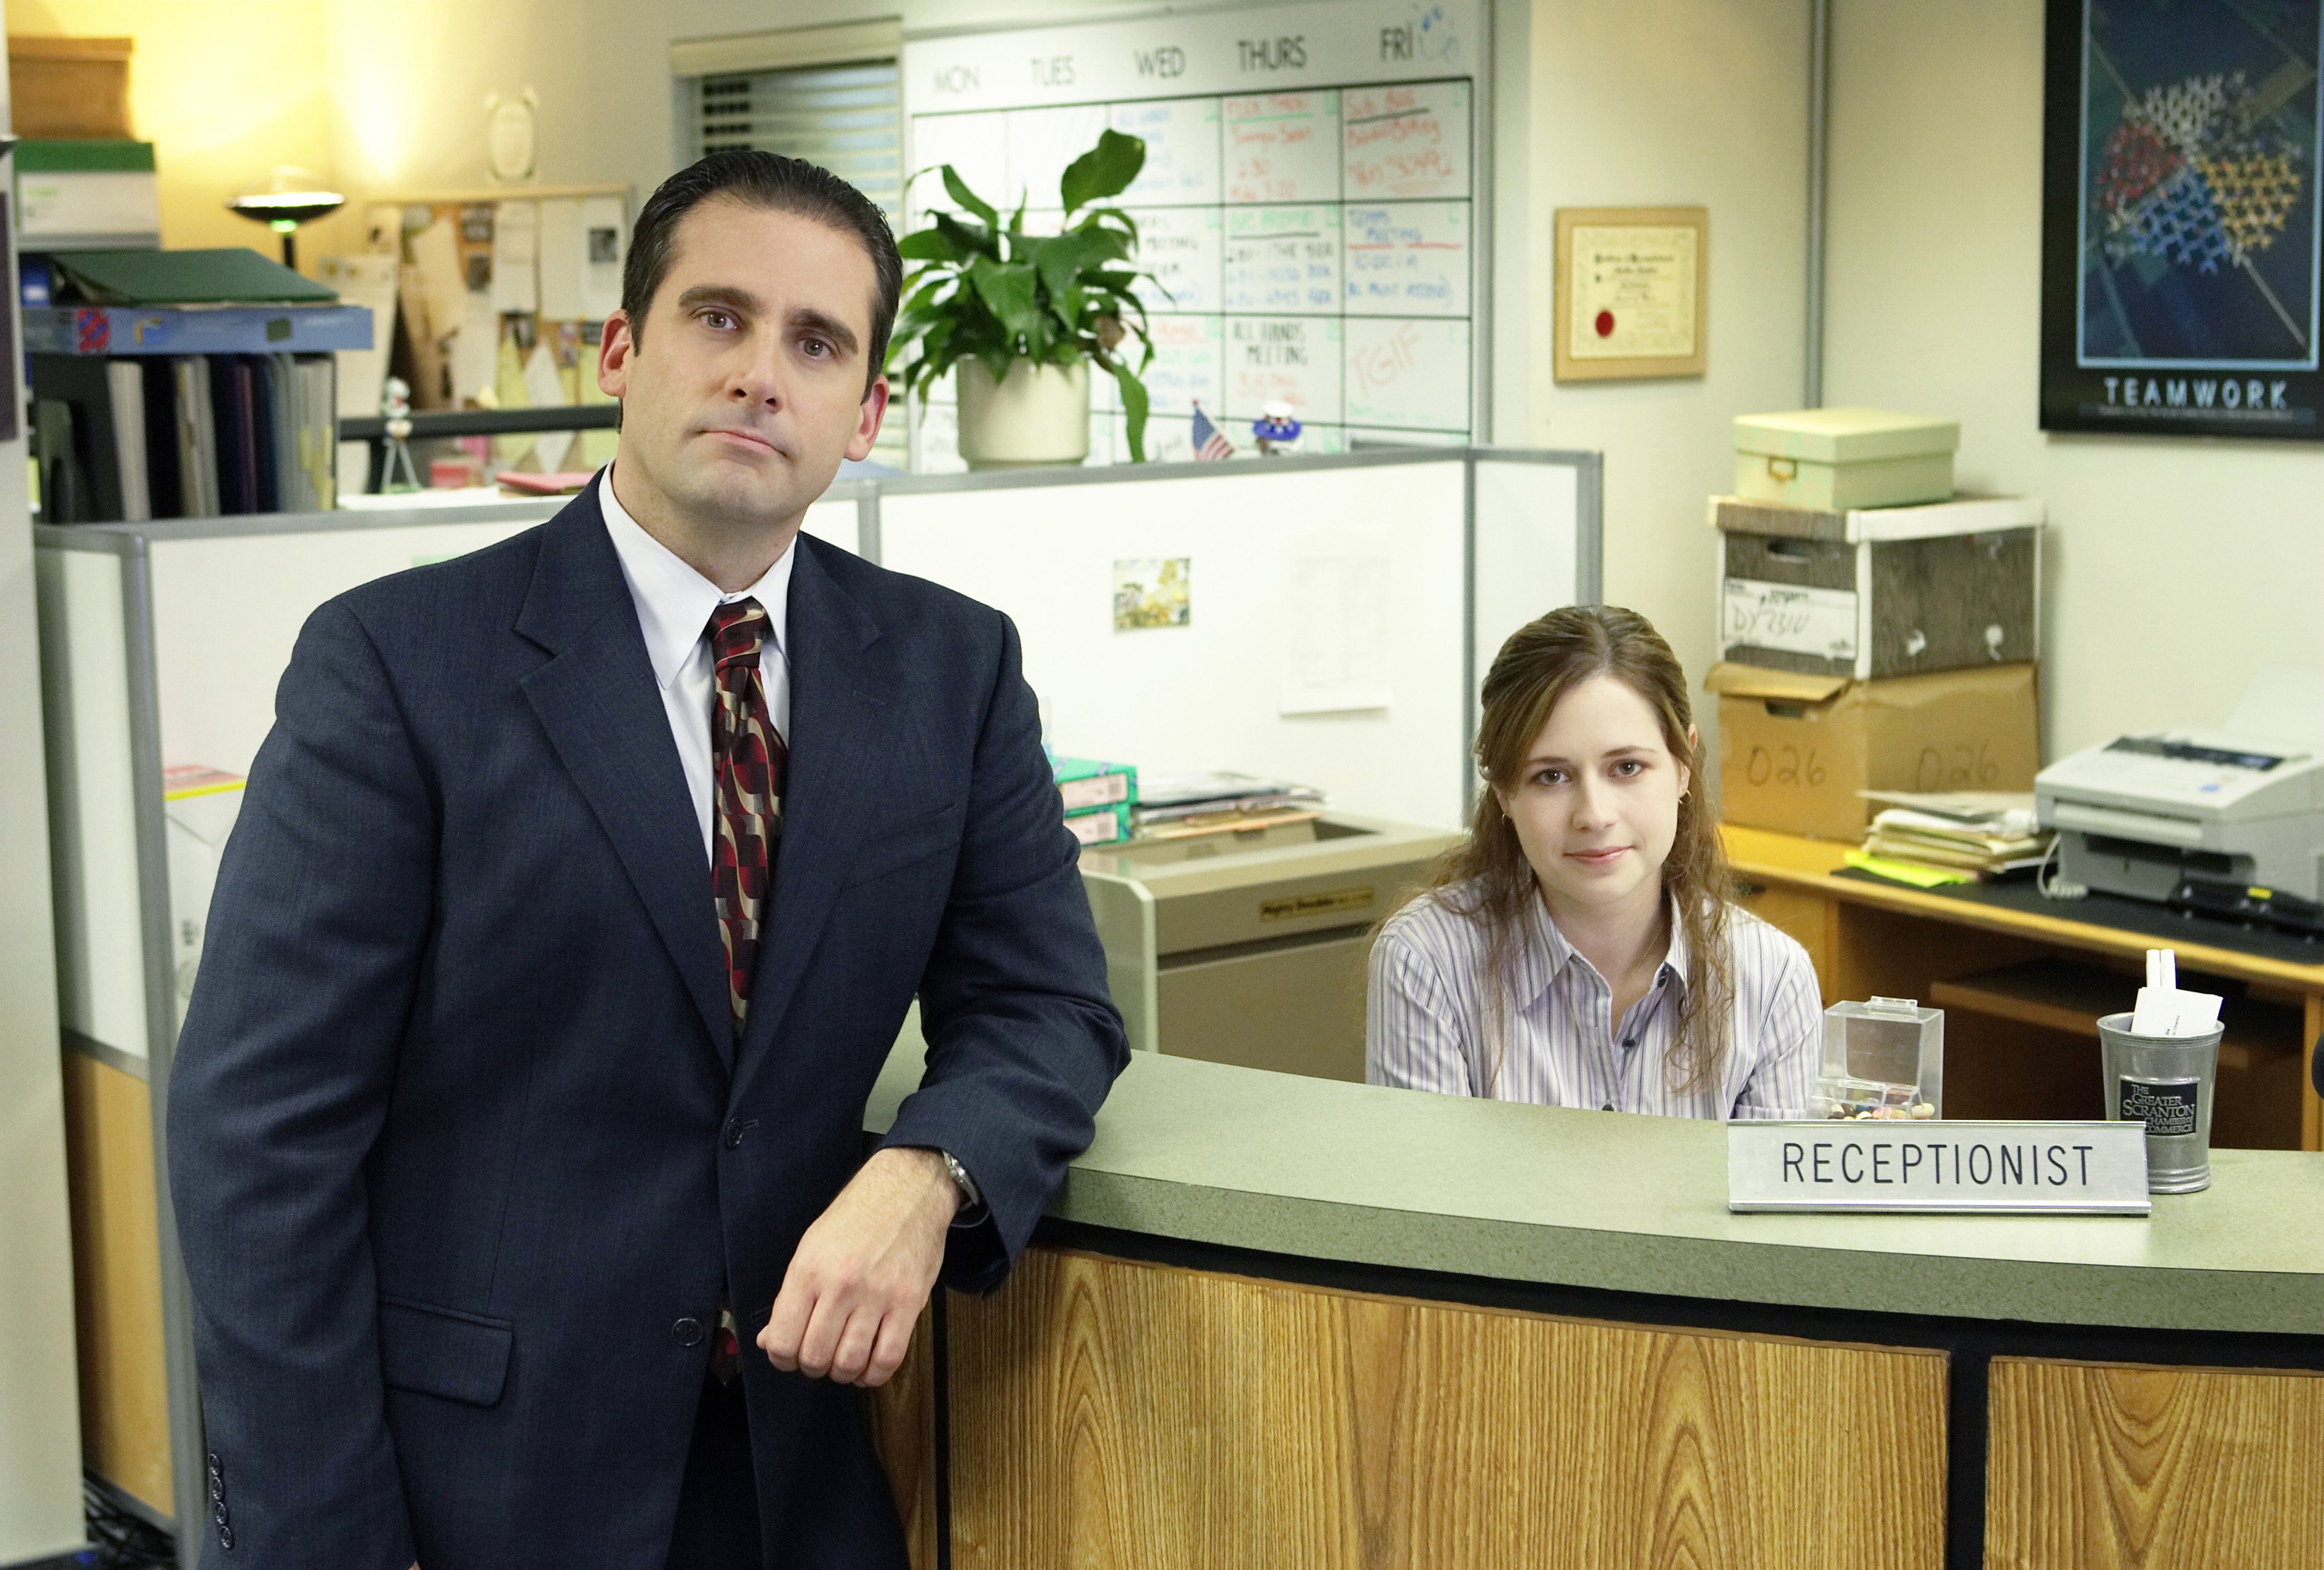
(598, 700)
(836, 725)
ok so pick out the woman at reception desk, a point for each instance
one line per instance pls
(1278, 1320)
(1579, 949)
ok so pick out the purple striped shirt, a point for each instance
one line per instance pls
(1426, 1023)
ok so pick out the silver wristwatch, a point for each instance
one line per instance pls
(972, 1203)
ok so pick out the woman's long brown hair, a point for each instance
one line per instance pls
(1540, 664)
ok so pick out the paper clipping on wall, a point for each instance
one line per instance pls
(1152, 591)
(1334, 628)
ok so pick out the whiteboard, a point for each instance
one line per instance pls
(1309, 167)
(1210, 694)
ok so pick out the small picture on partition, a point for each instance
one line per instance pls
(1150, 591)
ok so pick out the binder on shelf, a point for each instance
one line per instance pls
(229, 275)
(80, 464)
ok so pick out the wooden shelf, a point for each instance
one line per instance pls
(2064, 995)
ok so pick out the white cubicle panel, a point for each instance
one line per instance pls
(228, 609)
(85, 696)
(1530, 556)
(1327, 622)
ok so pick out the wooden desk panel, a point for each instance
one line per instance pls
(1107, 1415)
(125, 1396)
(2094, 1466)
(2020, 1056)
(902, 1418)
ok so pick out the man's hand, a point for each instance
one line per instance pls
(862, 1273)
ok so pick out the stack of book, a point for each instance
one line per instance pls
(169, 386)
(1951, 837)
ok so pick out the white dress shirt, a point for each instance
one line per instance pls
(674, 605)
(1426, 1026)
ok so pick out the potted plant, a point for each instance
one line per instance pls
(1023, 317)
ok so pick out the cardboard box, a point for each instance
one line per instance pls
(1795, 748)
(1885, 592)
(69, 87)
(1844, 457)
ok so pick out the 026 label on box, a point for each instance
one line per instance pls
(2092, 1168)
(1783, 616)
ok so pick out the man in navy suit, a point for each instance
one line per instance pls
(580, 891)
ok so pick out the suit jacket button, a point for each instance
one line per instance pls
(687, 1332)
(225, 1539)
(733, 1132)
(218, 1513)
(218, 1487)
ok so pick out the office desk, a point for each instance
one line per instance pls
(2022, 990)
(1280, 1320)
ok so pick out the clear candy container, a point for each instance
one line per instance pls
(1882, 1058)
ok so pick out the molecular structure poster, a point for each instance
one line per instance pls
(2180, 287)
(1307, 206)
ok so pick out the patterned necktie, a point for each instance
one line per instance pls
(746, 769)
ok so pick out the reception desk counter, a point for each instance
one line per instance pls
(1275, 1320)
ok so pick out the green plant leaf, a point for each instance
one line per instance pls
(958, 189)
(931, 245)
(1133, 405)
(1104, 170)
(973, 240)
(1009, 289)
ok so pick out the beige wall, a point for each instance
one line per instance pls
(1673, 103)
(227, 90)
(2176, 567)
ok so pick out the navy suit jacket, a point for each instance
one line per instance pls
(462, 1143)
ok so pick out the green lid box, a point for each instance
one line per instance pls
(1844, 457)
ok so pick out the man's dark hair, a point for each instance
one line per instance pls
(762, 179)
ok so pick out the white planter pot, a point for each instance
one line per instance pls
(1038, 415)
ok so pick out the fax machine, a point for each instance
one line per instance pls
(2140, 815)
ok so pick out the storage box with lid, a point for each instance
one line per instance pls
(1795, 749)
(1844, 457)
(1881, 592)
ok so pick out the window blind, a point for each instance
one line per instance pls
(847, 118)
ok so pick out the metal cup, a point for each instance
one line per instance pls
(2164, 1082)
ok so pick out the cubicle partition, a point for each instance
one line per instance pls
(1339, 610)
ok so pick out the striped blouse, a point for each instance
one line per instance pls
(1425, 1022)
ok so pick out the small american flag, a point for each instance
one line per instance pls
(1208, 443)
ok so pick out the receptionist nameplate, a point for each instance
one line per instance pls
(2087, 1169)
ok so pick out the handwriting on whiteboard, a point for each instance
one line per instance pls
(1281, 147)
(1283, 259)
(1407, 259)
(1407, 375)
(1406, 140)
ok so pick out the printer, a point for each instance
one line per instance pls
(2163, 814)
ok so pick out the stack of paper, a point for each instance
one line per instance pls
(1168, 803)
(1975, 834)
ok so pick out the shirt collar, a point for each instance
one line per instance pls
(1549, 954)
(675, 601)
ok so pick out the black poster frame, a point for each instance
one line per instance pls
(2163, 396)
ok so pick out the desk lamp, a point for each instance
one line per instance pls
(296, 198)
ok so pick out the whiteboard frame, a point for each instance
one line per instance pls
(135, 797)
(1480, 179)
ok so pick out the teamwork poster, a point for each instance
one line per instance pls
(2180, 239)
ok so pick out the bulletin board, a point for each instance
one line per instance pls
(1310, 205)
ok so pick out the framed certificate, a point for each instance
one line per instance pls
(1629, 292)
